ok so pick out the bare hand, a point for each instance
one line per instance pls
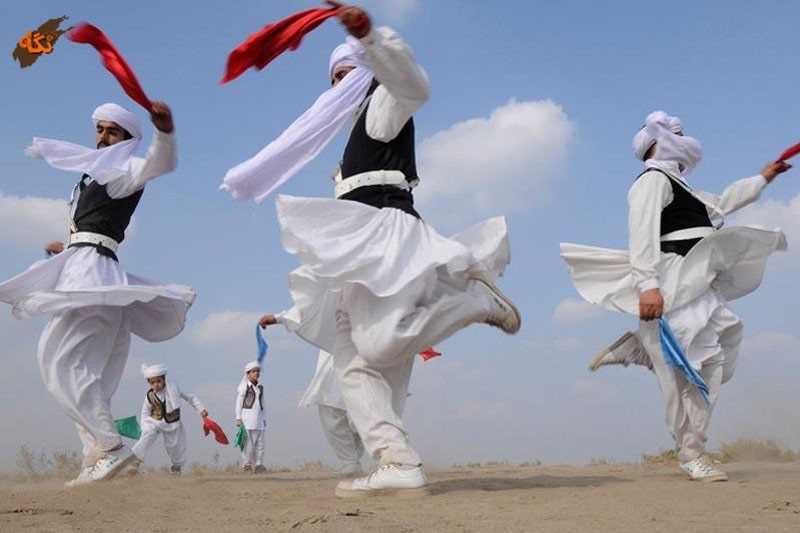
(771, 170)
(267, 320)
(238, 422)
(355, 20)
(651, 304)
(54, 248)
(203, 413)
(161, 116)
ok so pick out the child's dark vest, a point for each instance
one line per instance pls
(158, 409)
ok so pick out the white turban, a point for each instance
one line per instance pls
(250, 366)
(307, 136)
(153, 371)
(665, 132)
(103, 165)
(116, 113)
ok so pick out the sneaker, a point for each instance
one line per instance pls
(84, 477)
(111, 463)
(391, 480)
(504, 313)
(247, 467)
(175, 469)
(260, 469)
(350, 469)
(625, 351)
(702, 469)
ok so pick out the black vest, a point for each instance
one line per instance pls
(250, 397)
(158, 409)
(97, 212)
(363, 154)
(684, 212)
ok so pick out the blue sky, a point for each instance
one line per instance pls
(532, 111)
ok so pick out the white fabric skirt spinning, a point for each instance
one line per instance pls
(730, 261)
(80, 277)
(342, 243)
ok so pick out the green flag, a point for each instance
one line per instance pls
(240, 438)
(128, 427)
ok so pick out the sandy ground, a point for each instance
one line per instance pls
(758, 497)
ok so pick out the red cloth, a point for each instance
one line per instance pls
(210, 425)
(429, 353)
(790, 152)
(87, 34)
(274, 39)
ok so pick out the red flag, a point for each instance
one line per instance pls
(790, 152)
(429, 353)
(210, 425)
(274, 39)
(87, 34)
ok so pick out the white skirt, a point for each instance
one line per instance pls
(324, 388)
(80, 277)
(343, 243)
(731, 261)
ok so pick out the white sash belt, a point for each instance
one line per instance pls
(373, 177)
(97, 239)
(688, 233)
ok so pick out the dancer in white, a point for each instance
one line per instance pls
(161, 415)
(377, 284)
(683, 264)
(93, 303)
(250, 413)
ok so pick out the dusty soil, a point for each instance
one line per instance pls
(758, 497)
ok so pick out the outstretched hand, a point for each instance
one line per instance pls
(54, 248)
(267, 320)
(355, 20)
(161, 117)
(771, 170)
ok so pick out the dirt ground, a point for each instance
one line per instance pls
(758, 497)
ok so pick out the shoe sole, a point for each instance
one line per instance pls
(419, 492)
(506, 301)
(597, 362)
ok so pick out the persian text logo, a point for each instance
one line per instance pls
(40, 41)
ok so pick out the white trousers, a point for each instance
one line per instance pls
(712, 341)
(82, 354)
(253, 452)
(341, 434)
(377, 340)
(174, 442)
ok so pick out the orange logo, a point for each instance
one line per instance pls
(39, 41)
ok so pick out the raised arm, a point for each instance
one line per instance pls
(745, 191)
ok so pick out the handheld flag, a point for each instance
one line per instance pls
(790, 152)
(429, 353)
(113, 61)
(259, 49)
(262, 345)
(241, 438)
(128, 427)
(674, 356)
(211, 426)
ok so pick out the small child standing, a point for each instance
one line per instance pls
(250, 413)
(161, 414)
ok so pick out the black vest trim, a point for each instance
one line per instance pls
(685, 211)
(158, 409)
(250, 397)
(97, 212)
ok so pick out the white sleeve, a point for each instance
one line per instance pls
(193, 400)
(145, 410)
(239, 402)
(648, 196)
(162, 158)
(403, 88)
(737, 195)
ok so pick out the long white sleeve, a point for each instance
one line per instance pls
(737, 195)
(193, 400)
(145, 413)
(239, 402)
(648, 196)
(162, 158)
(403, 88)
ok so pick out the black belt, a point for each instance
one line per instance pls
(102, 250)
(678, 247)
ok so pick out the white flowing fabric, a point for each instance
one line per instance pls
(324, 388)
(307, 136)
(663, 130)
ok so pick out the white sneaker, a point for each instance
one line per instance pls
(625, 351)
(390, 480)
(84, 477)
(702, 469)
(110, 464)
(350, 469)
(504, 313)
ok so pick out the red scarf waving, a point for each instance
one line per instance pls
(210, 426)
(274, 39)
(87, 34)
(790, 152)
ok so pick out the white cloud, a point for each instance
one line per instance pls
(775, 214)
(595, 389)
(498, 164)
(772, 344)
(571, 311)
(29, 222)
(225, 326)
(394, 10)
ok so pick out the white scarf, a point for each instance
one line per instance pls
(663, 130)
(307, 136)
(242, 388)
(104, 165)
(171, 391)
